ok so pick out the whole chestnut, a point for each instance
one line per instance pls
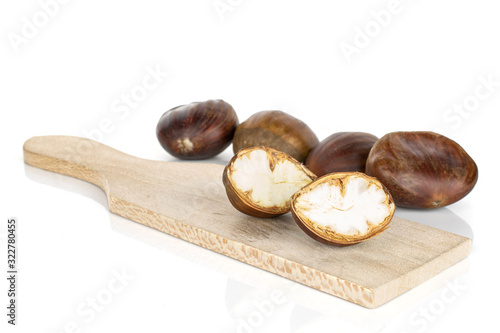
(278, 130)
(422, 169)
(341, 152)
(198, 130)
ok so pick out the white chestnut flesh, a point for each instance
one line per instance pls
(260, 181)
(343, 208)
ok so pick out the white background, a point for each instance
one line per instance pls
(69, 74)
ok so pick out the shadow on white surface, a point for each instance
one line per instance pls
(254, 296)
(441, 218)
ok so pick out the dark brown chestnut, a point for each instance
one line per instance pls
(422, 169)
(278, 130)
(341, 152)
(198, 130)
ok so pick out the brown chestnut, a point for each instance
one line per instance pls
(278, 130)
(198, 130)
(340, 152)
(422, 169)
(343, 208)
(260, 181)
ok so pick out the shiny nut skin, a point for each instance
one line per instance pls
(341, 152)
(422, 169)
(278, 130)
(198, 130)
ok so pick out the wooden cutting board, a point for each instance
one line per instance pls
(188, 201)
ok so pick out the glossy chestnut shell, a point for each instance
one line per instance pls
(198, 130)
(422, 169)
(341, 152)
(278, 130)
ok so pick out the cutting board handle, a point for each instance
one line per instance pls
(74, 156)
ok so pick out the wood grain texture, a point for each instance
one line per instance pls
(188, 201)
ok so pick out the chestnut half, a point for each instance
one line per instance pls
(343, 208)
(422, 169)
(198, 130)
(260, 181)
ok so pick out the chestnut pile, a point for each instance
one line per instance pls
(340, 191)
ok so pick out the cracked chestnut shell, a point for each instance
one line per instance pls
(340, 152)
(198, 130)
(422, 169)
(278, 130)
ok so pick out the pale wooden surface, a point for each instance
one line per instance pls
(188, 200)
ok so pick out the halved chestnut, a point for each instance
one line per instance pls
(260, 181)
(343, 208)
